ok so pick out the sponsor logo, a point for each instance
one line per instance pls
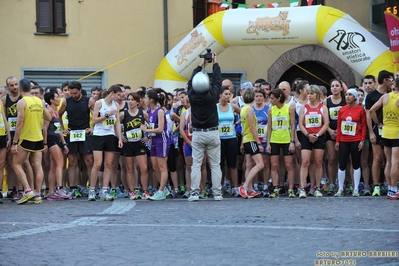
(266, 24)
(196, 40)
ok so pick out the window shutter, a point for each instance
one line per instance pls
(44, 16)
(59, 16)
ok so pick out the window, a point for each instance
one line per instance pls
(204, 8)
(314, 2)
(50, 16)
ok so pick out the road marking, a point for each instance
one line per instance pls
(117, 207)
(244, 226)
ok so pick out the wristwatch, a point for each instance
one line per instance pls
(317, 135)
(106, 115)
(14, 143)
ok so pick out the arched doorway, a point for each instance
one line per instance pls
(315, 59)
(312, 71)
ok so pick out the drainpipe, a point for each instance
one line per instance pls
(165, 27)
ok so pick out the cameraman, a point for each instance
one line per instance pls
(204, 120)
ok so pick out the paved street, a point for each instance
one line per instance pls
(175, 232)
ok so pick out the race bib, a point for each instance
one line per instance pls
(77, 135)
(58, 127)
(151, 126)
(109, 122)
(262, 131)
(280, 123)
(312, 120)
(225, 129)
(334, 112)
(12, 123)
(134, 135)
(348, 128)
(1, 121)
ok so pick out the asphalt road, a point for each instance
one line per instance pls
(235, 231)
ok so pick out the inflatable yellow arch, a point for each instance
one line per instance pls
(328, 26)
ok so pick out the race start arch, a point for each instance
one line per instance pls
(328, 26)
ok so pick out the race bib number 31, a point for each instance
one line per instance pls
(77, 135)
(133, 135)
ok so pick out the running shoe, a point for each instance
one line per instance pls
(112, 194)
(173, 193)
(120, 194)
(349, 189)
(274, 194)
(235, 192)
(331, 190)
(393, 195)
(106, 196)
(318, 193)
(166, 192)
(146, 195)
(203, 194)
(376, 191)
(302, 193)
(266, 193)
(139, 195)
(186, 194)
(243, 192)
(355, 193)
(62, 193)
(35, 200)
(133, 195)
(91, 196)
(76, 193)
(182, 189)
(26, 197)
(159, 195)
(217, 197)
(17, 196)
(193, 197)
(54, 197)
(291, 193)
(366, 191)
(340, 193)
(253, 194)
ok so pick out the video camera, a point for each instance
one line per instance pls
(207, 56)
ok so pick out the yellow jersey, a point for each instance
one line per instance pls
(280, 119)
(246, 129)
(32, 129)
(390, 114)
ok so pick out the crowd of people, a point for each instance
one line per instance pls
(293, 140)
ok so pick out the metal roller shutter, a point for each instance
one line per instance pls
(56, 78)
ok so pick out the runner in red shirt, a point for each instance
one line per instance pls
(351, 134)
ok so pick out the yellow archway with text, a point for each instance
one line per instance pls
(330, 27)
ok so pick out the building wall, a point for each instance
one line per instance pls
(103, 33)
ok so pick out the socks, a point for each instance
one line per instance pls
(341, 178)
(356, 178)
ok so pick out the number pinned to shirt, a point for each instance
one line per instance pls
(77, 135)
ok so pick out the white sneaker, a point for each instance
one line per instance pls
(218, 197)
(92, 196)
(302, 194)
(340, 193)
(194, 197)
(355, 193)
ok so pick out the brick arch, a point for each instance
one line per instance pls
(314, 53)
